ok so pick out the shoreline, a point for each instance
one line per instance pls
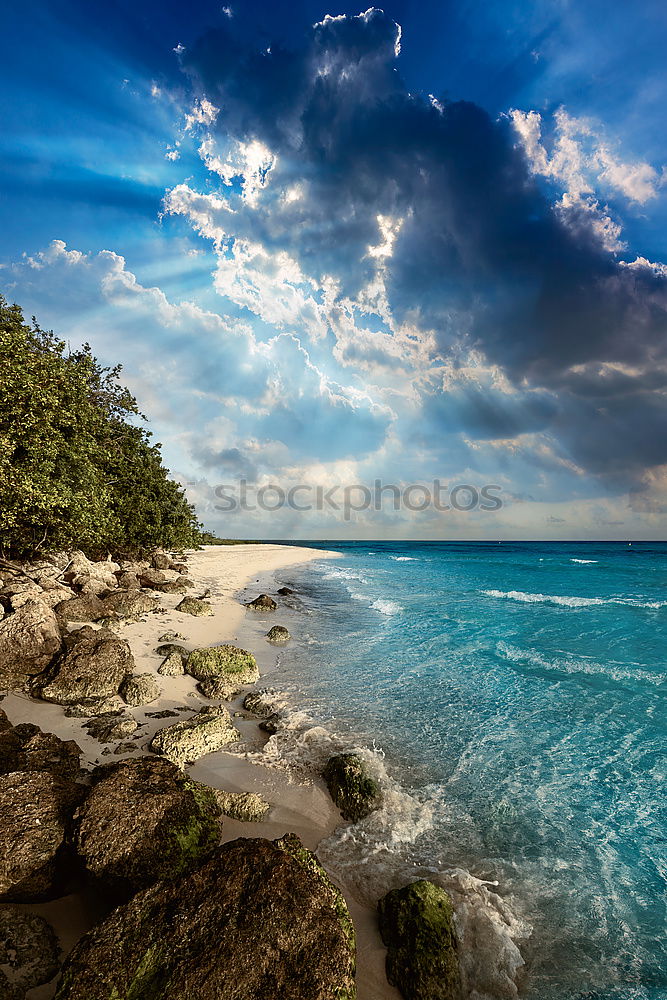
(298, 804)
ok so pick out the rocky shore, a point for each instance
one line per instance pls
(144, 853)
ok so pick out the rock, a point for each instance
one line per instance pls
(172, 666)
(180, 567)
(91, 577)
(5, 724)
(130, 603)
(128, 581)
(167, 648)
(94, 663)
(259, 920)
(194, 606)
(271, 724)
(94, 706)
(170, 637)
(151, 578)
(144, 821)
(285, 591)
(173, 587)
(262, 603)
(209, 730)
(244, 806)
(85, 608)
(417, 926)
(140, 689)
(29, 640)
(260, 702)
(161, 560)
(278, 634)
(110, 728)
(28, 950)
(36, 809)
(27, 748)
(351, 786)
(229, 666)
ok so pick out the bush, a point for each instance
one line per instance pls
(76, 467)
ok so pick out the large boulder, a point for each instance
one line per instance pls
(229, 666)
(195, 606)
(28, 951)
(351, 785)
(140, 689)
(26, 748)
(36, 809)
(209, 730)
(151, 577)
(94, 663)
(417, 926)
(260, 920)
(144, 821)
(262, 603)
(85, 608)
(260, 702)
(29, 640)
(130, 603)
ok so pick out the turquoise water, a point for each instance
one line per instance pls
(516, 692)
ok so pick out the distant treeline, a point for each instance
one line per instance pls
(77, 468)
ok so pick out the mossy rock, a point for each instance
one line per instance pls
(257, 920)
(278, 634)
(417, 926)
(144, 821)
(195, 606)
(229, 666)
(351, 786)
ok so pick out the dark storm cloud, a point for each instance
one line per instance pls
(482, 257)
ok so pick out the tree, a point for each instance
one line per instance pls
(76, 466)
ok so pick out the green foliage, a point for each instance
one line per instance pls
(76, 467)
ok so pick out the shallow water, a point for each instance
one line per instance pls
(515, 694)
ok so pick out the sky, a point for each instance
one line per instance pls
(387, 273)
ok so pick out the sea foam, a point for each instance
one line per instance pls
(572, 602)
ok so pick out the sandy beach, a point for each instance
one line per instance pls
(299, 804)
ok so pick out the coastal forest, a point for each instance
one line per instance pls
(78, 467)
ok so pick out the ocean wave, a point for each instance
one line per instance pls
(340, 573)
(572, 602)
(386, 607)
(571, 665)
(403, 558)
(377, 854)
(584, 562)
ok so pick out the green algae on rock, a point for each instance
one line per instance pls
(259, 919)
(194, 606)
(144, 821)
(229, 666)
(417, 926)
(351, 786)
(209, 730)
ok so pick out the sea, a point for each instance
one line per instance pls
(510, 697)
